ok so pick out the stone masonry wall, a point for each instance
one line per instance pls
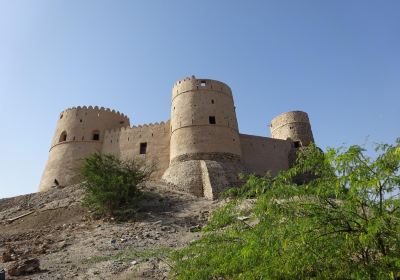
(185, 176)
(125, 144)
(262, 154)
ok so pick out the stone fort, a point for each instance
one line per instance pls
(199, 150)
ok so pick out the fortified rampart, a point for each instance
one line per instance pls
(263, 154)
(149, 142)
(199, 151)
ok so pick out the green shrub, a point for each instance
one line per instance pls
(253, 187)
(112, 184)
(343, 223)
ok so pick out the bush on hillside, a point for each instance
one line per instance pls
(344, 223)
(112, 184)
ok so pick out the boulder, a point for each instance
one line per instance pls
(23, 267)
(7, 256)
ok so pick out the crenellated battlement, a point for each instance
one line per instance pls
(157, 126)
(96, 110)
(191, 78)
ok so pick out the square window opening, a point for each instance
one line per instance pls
(203, 83)
(297, 144)
(211, 119)
(96, 136)
(143, 148)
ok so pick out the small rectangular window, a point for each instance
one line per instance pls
(297, 144)
(96, 136)
(203, 83)
(143, 148)
(211, 119)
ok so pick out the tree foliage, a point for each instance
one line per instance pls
(112, 184)
(343, 223)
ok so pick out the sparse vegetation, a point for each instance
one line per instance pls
(130, 254)
(112, 184)
(344, 223)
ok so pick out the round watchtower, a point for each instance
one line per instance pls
(294, 125)
(205, 151)
(79, 133)
(203, 121)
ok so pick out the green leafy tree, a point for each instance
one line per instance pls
(112, 184)
(342, 223)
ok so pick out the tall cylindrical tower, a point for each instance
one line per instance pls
(205, 150)
(294, 125)
(79, 133)
(203, 121)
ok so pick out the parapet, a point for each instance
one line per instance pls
(192, 84)
(77, 124)
(98, 110)
(158, 126)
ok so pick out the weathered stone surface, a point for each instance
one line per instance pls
(23, 267)
(203, 178)
(7, 255)
(185, 176)
(222, 157)
(42, 249)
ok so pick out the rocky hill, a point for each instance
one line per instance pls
(52, 236)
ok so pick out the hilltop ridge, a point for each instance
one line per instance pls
(54, 228)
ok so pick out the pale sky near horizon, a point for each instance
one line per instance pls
(337, 60)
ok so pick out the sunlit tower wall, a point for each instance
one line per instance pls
(203, 121)
(203, 128)
(79, 133)
(294, 125)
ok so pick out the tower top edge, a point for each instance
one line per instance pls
(96, 109)
(193, 82)
(295, 115)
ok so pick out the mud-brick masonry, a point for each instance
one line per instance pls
(199, 151)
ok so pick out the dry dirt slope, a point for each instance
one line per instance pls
(71, 245)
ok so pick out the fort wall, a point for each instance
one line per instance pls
(199, 151)
(149, 142)
(262, 154)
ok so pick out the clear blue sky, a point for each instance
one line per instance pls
(337, 60)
